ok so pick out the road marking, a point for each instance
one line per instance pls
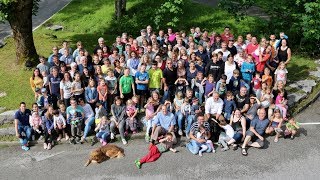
(311, 123)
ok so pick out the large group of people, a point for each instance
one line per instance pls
(209, 87)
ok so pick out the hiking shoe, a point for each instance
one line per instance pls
(137, 163)
(124, 142)
(180, 132)
(45, 146)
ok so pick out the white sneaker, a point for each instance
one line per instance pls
(112, 136)
(180, 132)
(124, 142)
(45, 146)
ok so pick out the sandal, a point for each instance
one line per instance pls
(234, 147)
(244, 152)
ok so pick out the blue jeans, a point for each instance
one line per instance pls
(179, 119)
(169, 93)
(194, 147)
(87, 128)
(199, 96)
(102, 135)
(190, 120)
(26, 130)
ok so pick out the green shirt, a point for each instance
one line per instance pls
(155, 77)
(126, 84)
(292, 127)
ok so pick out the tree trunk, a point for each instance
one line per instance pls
(118, 9)
(20, 19)
(123, 6)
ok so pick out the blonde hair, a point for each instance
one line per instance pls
(179, 95)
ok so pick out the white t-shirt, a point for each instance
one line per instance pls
(228, 70)
(225, 54)
(76, 85)
(281, 74)
(66, 87)
(229, 130)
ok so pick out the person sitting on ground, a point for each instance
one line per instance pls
(131, 121)
(194, 145)
(256, 131)
(226, 136)
(291, 128)
(118, 112)
(202, 135)
(103, 130)
(275, 124)
(155, 151)
(163, 123)
(22, 126)
(59, 124)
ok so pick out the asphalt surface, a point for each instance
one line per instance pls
(287, 159)
(46, 9)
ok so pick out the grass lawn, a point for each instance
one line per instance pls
(86, 21)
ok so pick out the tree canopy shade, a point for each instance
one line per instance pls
(19, 15)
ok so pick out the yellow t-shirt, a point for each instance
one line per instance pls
(106, 69)
(37, 82)
(155, 77)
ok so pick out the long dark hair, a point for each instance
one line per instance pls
(40, 75)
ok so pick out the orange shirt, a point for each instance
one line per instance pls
(267, 79)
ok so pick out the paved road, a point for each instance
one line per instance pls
(46, 10)
(287, 159)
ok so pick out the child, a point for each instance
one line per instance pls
(266, 98)
(247, 69)
(197, 86)
(36, 122)
(225, 136)
(100, 111)
(111, 81)
(281, 104)
(275, 124)
(103, 92)
(103, 130)
(210, 85)
(76, 87)
(131, 121)
(291, 128)
(155, 151)
(229, 105)
(256, 84)
(62, 111)
(201, 135)
(281, 73)
(177, 103)
(221, 86)
(234, 83)
(45, 79)
(181, 84)
(59, 124)
(75, 122)
(266, 77)
(191, 117)
(148, 118)
(135, 101)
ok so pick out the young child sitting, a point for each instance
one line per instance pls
(131, 121)
(35, 122)
(275, 124)
(266, 98)
(225, 136)
(281, 103)
(291, 128)
(103, 130)
(177, 103)
(201, 135)
(59, 124)
(155, 151)
(209, 84)
(191, 116)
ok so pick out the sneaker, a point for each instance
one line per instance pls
(45, 146)
(104, 143)
(292, 137)
(213, 151)
(49, 146)
(137, 163)
(124, 142)
(200, 154)
(112, 136)
(180, 132)
(234, 147)
(225, 149)
(26, 148)
(77, 140)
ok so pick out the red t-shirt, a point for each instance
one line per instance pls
(251, 48)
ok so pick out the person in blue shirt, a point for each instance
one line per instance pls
(142, 80)
(256, 131)
(228, 105)
(163, 123)
(247, 70)
(22, 126)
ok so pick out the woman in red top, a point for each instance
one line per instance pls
(263, 58)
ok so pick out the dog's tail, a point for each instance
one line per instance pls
(88, 162)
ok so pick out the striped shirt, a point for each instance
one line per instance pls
(195, 127)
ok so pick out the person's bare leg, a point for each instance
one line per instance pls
(255, 144)
(246, 141)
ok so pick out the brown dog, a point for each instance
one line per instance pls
(105, 152)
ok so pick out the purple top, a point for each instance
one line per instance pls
(209, 87)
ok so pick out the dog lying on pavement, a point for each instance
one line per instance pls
(105, 152)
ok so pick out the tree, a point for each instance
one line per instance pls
(120, 8)
(19, 15)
